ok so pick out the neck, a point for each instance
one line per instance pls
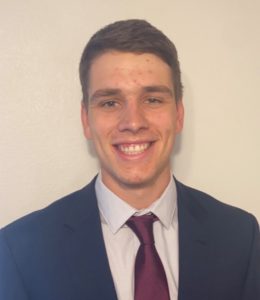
(139, 196)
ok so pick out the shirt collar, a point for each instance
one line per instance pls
(115, 211)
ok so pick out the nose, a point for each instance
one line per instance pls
(133, 118)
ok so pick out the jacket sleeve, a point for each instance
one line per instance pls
(11, 284)
(252, 283)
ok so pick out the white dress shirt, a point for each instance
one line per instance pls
(122, 244)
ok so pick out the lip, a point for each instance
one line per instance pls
(133, 150)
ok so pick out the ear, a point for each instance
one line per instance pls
(179, 116)
(85, 121)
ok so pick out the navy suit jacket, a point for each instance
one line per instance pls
(58, 253)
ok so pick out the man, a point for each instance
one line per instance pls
(90, 244)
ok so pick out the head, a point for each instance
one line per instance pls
(132, 108)
(136, 36)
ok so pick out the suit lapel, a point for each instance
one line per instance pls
(194, 260)
(84, 249)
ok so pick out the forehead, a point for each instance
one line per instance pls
(121, 70)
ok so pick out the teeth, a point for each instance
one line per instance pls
(134, 148)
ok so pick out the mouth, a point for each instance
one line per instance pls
(133, 149)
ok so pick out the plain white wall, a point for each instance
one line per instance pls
(43, 154)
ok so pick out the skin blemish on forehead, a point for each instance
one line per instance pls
(118, 70)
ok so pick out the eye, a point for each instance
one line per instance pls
(153, 101)
(109, 104)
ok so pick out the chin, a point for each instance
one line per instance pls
(136, 181)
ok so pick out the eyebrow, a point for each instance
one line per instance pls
(105, 93)
(110, 92)
(158, 89)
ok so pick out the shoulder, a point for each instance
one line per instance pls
(214, 212)
(49, 220)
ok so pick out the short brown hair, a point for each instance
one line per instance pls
(137, 36)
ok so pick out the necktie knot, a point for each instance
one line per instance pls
(142, 226)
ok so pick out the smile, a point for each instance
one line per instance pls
(133, 149)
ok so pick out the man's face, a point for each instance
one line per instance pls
(132, 118)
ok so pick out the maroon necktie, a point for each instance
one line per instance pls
(150, 278)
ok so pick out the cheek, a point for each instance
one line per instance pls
(99, 131)
(165, 122)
